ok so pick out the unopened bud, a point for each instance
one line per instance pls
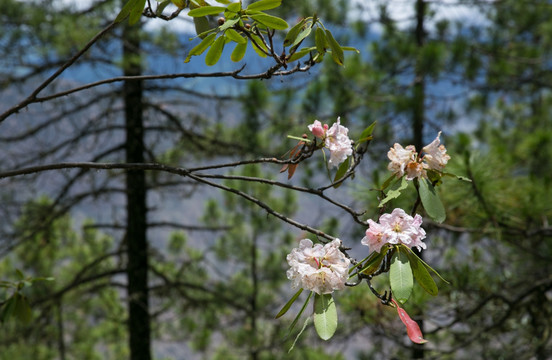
(248, 26)
(221, 20)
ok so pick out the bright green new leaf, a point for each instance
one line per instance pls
(125, 11)
(320, 40)
(431, 201)
(337, 52)
(302, 35)
(350, 48)
(206, 10)
(214, 53)
(270, 21)
(293, 33)
(366, 134)
(228, 24)
(299, 54)
(400, 276)
(325, 316)
(288, 304)
(234, 7)
(264, 5)
(239, 52)
(225, 2)
(201, 47)
(341, 171)
(136, 12)
(393, 194)
(234, 36)
(422, 275)
(374, 262)
(258, 45)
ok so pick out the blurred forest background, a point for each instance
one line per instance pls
(164, 267)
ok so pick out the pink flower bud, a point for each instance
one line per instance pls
(318, 130)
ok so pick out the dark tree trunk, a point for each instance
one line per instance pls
(137, 245)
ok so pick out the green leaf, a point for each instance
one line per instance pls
(299, 54)
(22, 309)
(228, 24)
(366, 134)
(19, 274)
(388, 182)
(202, 26)
(294, 322)
(201, 47)
(214, 53)
(136, 12)
(307, 320)
(260, 46)
(400, 276)
(234, 36)
(393, 194)
(270, 21)
(430, 199)
(412, 253)
(239, 52)
(181, 4)
(206, 10)
(293, 32)
(225, 2)
(325, 316)
(350, 48)
(421, 274)
(320, 40)
(302, 35)
(342, 170)
(125, 11)
(374, 263)
(337, 52)
(234, 7)
(7, 309)
(161, 6)
(288, 304)
(264, 5)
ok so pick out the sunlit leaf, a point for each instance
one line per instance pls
(325, 316)
(214, 53)
(366, 134)
(206, 10)
(299, 54)
(228, 24)
(373, 264)
(136, 12)
(400, 276)
(259, 46)
(350, 48)
(320, 40)
(234, 7)
(270, 21)
(337, 52)
(431, 201)
(201, 47)
(293, 32)
(239, 52)
(181, 4)
(301, 36)
(393, 194)
(341, 171)
(234, 36)
(264, 5)
(288, 304)
(125, 11)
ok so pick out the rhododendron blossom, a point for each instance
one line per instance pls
(318, 268)
(408, 161)
(335, 139)
(395, 228)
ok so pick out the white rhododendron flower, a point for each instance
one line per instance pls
(395, 228)
(339, 144)
(318, 268)
(435, 154)
(408, 161)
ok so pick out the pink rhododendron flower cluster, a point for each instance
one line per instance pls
(335, 139)
(407, 161)
(395, 228)
(318, 268)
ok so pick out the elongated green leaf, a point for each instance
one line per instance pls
(264, 5)
(350, 48)
(288, 304)
(337, 52)
(393, 194)
(228, 24)
(214, 53)
(400, 276)
(431, 202)
(234, 36)
(320, 40)
(136, 12)
(19, 274)
(206, 10)
(374, 263)
(293, 32)
(202, 26)
(412, 253)
(294, 322)
(7, 309)
(225, 2)
(181, 4)
(421, 274)
(299, 54)
(366, 133)
(302, 35)
(258, 45)
(239, 52)
(325, 316)
(340, 172)
(22, 309)
(125, 11)
(234, 7)
(270, 21)
(201, 47)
